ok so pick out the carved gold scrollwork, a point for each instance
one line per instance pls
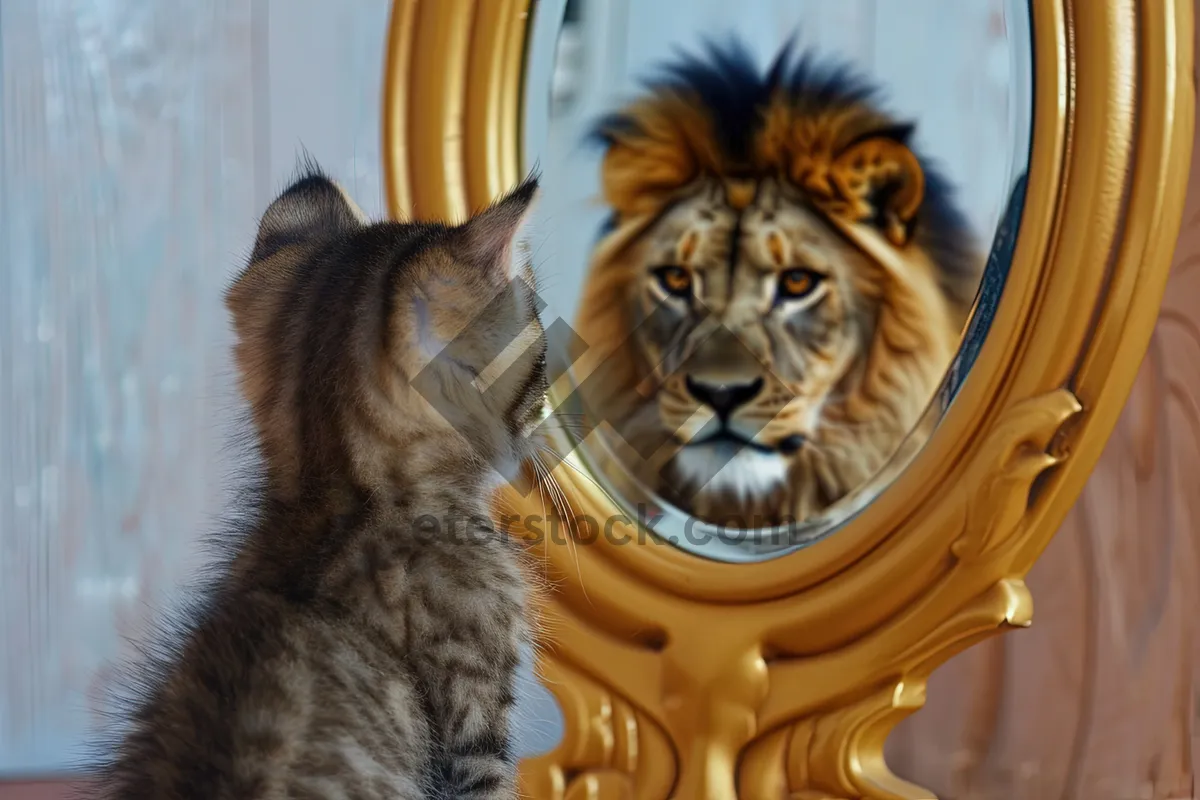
(1014, 455)
(829, 756)
(608, 750)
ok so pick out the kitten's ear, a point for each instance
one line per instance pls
(488, 238)
(312, 206)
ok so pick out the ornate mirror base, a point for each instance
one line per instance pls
(701, 699)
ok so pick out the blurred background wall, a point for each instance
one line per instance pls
(139, 140)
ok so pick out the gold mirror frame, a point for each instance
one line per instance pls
(684, 677)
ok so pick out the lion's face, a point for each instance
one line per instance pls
(795, 278)
(750, 318)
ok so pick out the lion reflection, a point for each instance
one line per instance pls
(780, 290)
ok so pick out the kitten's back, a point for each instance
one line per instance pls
(345, 647)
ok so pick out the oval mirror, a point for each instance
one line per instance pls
(778, 232)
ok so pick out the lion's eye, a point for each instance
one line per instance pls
(796, 284)
(675, 281)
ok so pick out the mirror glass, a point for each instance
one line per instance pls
(774, 236)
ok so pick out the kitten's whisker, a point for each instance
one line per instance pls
(538, 472)
(544, 555)
(580, 471)
(552, 484)
(558, 496)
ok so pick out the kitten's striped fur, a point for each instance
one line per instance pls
(363, 640)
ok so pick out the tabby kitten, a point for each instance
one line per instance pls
(362, 640)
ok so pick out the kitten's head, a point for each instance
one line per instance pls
(386, 353)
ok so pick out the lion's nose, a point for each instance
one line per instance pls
(724, 398)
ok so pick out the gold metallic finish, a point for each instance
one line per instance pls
(497, 49)
(398, 179)
(688, 678)
(435, 88)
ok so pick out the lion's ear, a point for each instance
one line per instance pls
(877, 179)
(638, 177)
(653, 149)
